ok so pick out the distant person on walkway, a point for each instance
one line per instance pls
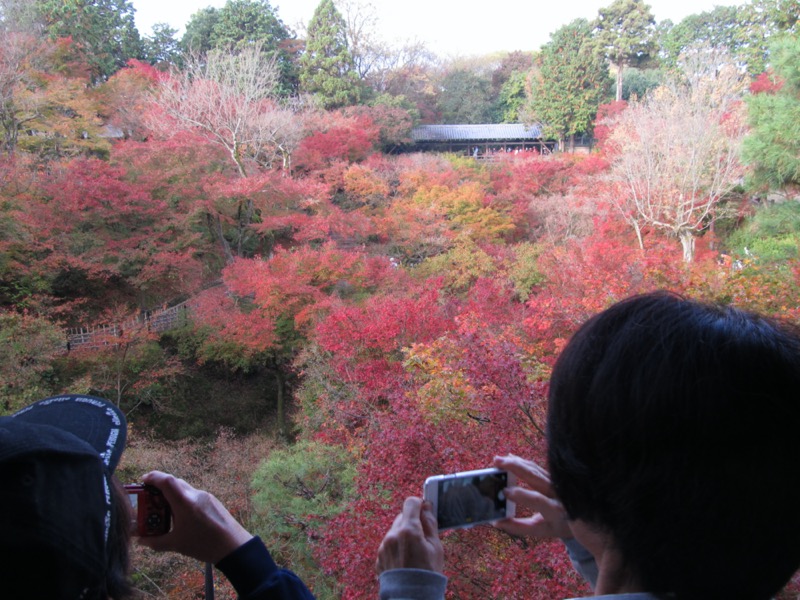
(673, 454)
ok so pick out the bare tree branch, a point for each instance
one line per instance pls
(230, 98)
(676, 153)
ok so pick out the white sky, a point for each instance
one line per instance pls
(448, 27)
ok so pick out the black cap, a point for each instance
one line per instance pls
(93, 420)
(56, 460)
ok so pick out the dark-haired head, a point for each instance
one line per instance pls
(673, 426)
(65, 519)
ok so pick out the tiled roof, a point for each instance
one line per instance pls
(503, 131)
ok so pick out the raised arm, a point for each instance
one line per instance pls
(204, 529)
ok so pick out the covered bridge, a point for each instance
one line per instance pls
(480, 141)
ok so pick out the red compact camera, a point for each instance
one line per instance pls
(151, 514)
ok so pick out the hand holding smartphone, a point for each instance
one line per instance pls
(463, 500)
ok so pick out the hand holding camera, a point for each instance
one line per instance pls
(201, 526)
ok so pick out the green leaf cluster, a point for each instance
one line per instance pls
(716, 28)
(638, 82)
(460, 266)
(28, 347)
(524, 273)
(745, 31)
(624, 33)
(162, 46)
(511, 101)
(237, 23)
(465, 97)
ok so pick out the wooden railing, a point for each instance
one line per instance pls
(156, 321)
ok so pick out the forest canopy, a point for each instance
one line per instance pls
(231, 236)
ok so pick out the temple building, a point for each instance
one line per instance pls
(480, 141)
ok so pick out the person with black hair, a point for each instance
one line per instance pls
(672, 448)
(66, 520)
(63, 516)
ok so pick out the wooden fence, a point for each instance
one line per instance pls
(157, 321)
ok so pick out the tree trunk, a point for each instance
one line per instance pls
(620, 67)
(281, 384)
(637, 228)
(10, 132)
(215, 225)
(687, 243)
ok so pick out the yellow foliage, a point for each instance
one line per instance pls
(444, 393)
(466, 209)
(364, 185)
(461, 266)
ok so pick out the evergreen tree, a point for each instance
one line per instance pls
(245, 22)
(760, 24)
(745, 31)
(639, 82)
(242, 23)
(508, 87)
(103, 29)
(327, 69)
(773, 146)
(465, 97)
(162, 46)
(197, 37)
(714, 28)
(511, 100)
(624, 33)
(569, 84)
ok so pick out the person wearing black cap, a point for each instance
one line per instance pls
(66, 521)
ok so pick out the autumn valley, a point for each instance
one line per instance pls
(232, 236)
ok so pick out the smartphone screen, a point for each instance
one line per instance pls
(467, 499)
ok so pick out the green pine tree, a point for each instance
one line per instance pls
(773, 147)
(326, 68)
(239, 24)
(624, 33)
(569, 84)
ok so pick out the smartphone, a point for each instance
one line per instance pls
(467, 499)
(151, 514)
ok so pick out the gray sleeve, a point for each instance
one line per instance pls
(412, 584)
(582, 560)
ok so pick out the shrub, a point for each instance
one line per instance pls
(296, 491)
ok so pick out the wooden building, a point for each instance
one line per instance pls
(480, 141)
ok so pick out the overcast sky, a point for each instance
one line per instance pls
(448, 27)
